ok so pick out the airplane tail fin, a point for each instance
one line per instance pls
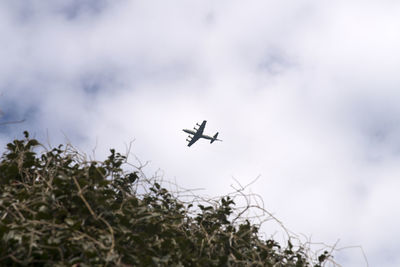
(215, 138)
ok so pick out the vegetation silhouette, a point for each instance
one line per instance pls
(59, 209)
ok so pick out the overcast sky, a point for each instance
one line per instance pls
(303, 93)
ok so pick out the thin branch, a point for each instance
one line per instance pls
(83, 198)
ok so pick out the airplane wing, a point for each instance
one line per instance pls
(201, 128)
(194, 139)
(198, 133)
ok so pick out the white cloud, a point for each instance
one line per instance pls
(303, 93)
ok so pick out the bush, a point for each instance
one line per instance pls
(57, 209)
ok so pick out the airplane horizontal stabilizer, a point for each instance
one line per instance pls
(214, 138)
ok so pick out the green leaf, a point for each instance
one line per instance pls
(32, 143)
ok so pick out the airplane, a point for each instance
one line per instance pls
(198, 133)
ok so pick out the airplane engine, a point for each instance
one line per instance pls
(197, 124)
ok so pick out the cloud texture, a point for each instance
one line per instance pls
(303, 93)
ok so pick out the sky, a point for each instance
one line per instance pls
(304, 95)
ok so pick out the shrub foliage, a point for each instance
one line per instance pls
(57, 209)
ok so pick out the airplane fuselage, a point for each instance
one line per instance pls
(189, 131)
(200, 136)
